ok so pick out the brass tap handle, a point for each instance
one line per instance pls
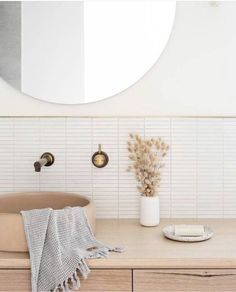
(100, 158)
(49, 157)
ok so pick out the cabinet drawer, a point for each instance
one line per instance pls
(197, 280)
(99, 280)
(108, 281)
(15, 280)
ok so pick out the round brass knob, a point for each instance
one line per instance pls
(100, 158)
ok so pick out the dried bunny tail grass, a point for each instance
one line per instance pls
(146, 157)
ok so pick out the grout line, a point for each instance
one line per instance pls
(197, 164)
(91, 147)
(223, 168)
(66, 152)
(169, 172)
(40, 148)
(121, 116)
(14, 154)
(171, 139)
(118, 163)
(144, 127)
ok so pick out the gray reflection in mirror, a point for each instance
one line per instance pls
(10, 40)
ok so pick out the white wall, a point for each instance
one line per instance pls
(114, 53)
(41, 34)
(194, 76)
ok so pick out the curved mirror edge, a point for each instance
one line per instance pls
(138, 57)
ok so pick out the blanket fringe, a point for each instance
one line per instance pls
(73, 282)
(101, 252)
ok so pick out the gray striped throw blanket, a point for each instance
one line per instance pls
(59, 241)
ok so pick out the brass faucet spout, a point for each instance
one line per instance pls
(47, 159)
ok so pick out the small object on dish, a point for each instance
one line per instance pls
(169, 232)
(189, 230)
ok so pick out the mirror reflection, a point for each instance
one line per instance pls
(75, 52)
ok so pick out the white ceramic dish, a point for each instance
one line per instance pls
(169, 232)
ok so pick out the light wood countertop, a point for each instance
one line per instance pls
(147, 248)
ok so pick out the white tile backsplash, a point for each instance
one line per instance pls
(198, 179)
(183, 167)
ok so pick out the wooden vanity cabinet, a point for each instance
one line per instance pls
(100, 280)
(146, 266)
(137, 280)
(190, 280)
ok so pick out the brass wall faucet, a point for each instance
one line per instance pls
(46, 159)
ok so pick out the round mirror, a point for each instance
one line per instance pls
(75, 52)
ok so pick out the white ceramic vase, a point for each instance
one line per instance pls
(149, 211)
